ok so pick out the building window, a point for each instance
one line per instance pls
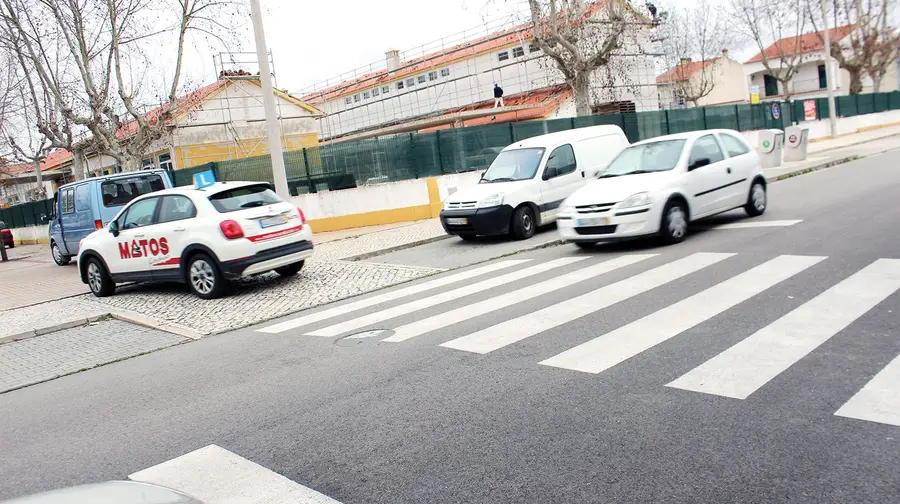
(518, 52)
(366, 95)
(376, 92)
(503, 55)
(356, 97)
(385, 89)
(532, 47)
(432, 75)
(445, 72)
(348, 100)
(823, 77)
(410, 82)
(421, 79)
(400, 85)
(771, 85)
(165, 162)
(147, 164)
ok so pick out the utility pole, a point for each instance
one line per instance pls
(832, 120)
(265, 75)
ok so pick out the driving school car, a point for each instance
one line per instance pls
(205, 237)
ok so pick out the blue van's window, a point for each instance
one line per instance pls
(68, 200)
(82, 197)
(120, 191)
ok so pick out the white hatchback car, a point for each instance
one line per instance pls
(659, 185)
(204, 237)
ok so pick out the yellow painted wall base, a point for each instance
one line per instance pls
(39, 241)
(859, 130)
(377, 218)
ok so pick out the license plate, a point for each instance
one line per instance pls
(457, 221)
(272, 221)
(593, 221)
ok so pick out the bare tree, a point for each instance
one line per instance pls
(581, 37)
(776, 29)
(694, 39)
(96, 58)
(870, 46)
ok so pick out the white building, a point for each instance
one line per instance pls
(720, 80)
(459, 79)
(809, 81)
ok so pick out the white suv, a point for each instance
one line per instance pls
(203, 237)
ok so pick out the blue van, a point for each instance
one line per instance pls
(82, 207)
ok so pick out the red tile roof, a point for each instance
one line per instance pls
(185, 102)
(517, 34)
(52, 161)
(808, 42)
(684, 71)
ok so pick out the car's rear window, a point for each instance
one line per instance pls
(120, 191)
(242, 198)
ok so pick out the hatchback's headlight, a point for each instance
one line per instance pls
(566, 207)
(636, 200)
(491, 201)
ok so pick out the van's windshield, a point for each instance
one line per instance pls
(512, 165)
(120, 191)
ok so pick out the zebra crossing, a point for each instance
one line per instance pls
(735, 373)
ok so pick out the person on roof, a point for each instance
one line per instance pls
(498, 95)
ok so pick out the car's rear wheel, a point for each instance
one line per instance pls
(674, 222)
(468, 237)
(756, 201)
(58, 257)
(11, 245)
(290, 269)
(204, 277)
(99, 281)
(523, 224)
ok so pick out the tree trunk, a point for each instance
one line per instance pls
(855, 82)
(876, 82)
(79, 166)
(39, 179)
(130, 163)
(786, 87)
(581, 88)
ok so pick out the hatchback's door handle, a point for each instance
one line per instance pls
(139, 235)
(729, 170)
(178, 229)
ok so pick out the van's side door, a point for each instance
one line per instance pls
(68, 221)
(559, 180)
(83, 222)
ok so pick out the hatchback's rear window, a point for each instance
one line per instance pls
(245, 197)
(120, 191)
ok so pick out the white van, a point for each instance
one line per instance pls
(524, 186)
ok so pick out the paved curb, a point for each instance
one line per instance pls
(123, 315)
(375, 253)
(829, 164)
(51, 329)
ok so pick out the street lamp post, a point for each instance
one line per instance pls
(265, 75)
(832, 121)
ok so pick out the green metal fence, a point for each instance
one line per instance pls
(26, 214)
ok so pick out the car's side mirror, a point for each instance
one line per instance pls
(44, 219)
(550, 172)
(699, 163)
(114, 228)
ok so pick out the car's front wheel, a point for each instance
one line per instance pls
(58, 257)
(523, 223)
(98, 278)
(756, 201)
(290, 269)
(586, 245)
(204, 277)
(674, 222)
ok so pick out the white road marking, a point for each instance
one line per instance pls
(879, 400)
(388, 296)
(215, 475)
(420, 304)
(751, 363)
(442, 320)
(616, 346)
(756, 224)
(517, 329)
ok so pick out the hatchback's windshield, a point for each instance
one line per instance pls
(120, 191)
(646, 158)
(242, 198)
(511, 165)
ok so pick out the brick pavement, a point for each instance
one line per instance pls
(56, 354)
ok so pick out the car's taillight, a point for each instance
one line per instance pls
(302, 216)
(98, 224)
(231, 229)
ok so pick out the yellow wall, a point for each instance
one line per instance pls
(188, 156)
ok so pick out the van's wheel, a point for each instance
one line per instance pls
(291, 269)
(674, 223)
(204, 277)
(99, 281)
(468, 237)
(756, 201)
(523, 224)
(58, 257)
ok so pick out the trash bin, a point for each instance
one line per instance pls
(771, 142)
(796, 143)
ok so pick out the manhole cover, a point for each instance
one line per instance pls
(374, 335)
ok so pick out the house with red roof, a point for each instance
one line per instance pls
(713, 81)
(450, 83)
(809, 81)
(221, 121)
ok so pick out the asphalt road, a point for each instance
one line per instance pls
(646, 418)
